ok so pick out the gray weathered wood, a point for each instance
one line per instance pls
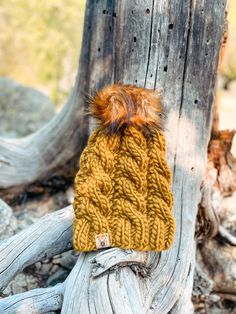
(52, 235)
(80, 290)
(42, 300)
(173, 46)
(55, 146)
(170, 45)
(49, 236)
(87, 294)
(109, 259)
(225, 234)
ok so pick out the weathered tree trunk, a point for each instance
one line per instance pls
(170, 45)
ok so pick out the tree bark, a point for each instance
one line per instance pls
(169, 45)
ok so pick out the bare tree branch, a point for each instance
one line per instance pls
(47, 237)
(38, 301)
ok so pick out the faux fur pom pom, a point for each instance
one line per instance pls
(117, 106)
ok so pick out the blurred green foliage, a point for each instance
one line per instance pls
(229, 62)
(229, 71)
(40, 43)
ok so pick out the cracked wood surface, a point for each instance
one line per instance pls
(49, 236)
(173, 46)
(41, 300)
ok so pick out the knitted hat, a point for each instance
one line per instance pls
(122, 189)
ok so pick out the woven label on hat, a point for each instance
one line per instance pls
(102, 240)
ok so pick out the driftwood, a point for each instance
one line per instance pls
(34, 301)
(37, 241)
(216, 217)
(50, 236)
(218, 182)
(39, 155)
(157, 44)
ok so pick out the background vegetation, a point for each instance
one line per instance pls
(229, 63)
(40, 43)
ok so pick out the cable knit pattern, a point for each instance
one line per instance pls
(159, 198)
(129, 215)
(123, 189)
(122, 195)
(93, 190)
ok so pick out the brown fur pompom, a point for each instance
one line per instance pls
(118, 106)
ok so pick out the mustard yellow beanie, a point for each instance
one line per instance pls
(122, 195)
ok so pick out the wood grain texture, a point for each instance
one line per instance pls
(42, 300)
(49, 236)
(172, 46)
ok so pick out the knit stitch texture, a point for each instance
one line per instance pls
(123, 189)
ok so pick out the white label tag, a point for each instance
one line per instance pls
(102, 240)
